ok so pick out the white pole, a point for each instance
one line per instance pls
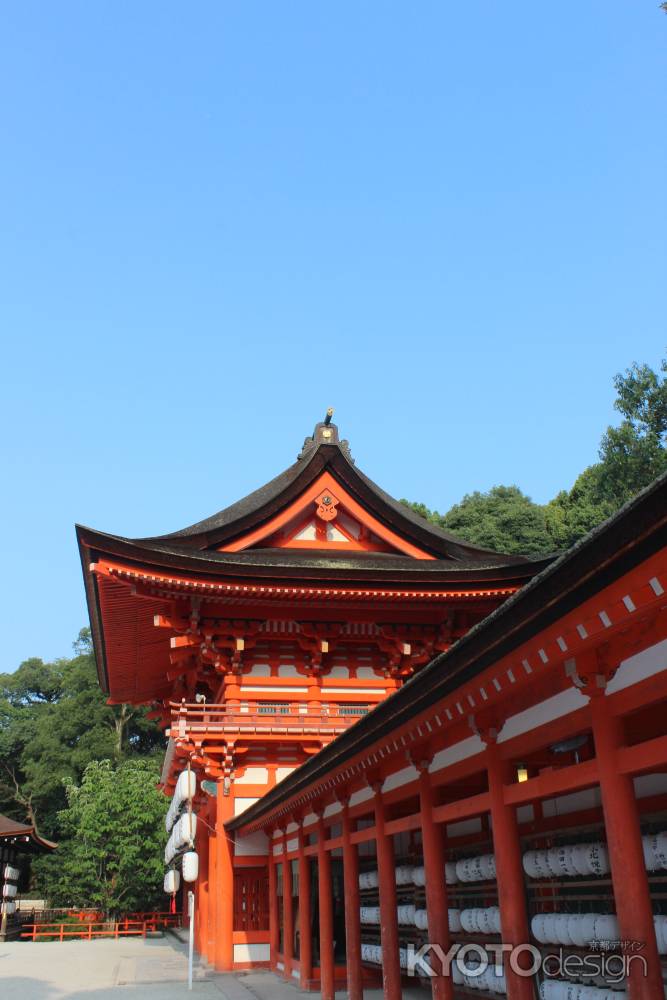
(191, 942)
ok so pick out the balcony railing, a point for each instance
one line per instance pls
(263, 717)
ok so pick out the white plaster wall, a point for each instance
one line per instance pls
(282, 772)
(339, 672)
(464, 826)
(252, 953)
(254, 776)
(637, 668)
(650, 784)
(399, 778)
(545, 711)
(588, 798)
(241, 804)
(252, 845)
(459, 751)
(361, 796)
(259, 670)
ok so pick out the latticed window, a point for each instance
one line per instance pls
(354, 710)
(251, 899)
(270, 708)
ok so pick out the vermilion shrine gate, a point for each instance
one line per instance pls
(265, 632)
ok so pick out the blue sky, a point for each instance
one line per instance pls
(217, 219)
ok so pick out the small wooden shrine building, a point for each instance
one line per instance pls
(16, 841)
(517, 705)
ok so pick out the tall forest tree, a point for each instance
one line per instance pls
(54, 720)
(631, 456)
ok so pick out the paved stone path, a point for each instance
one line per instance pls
(155, 969)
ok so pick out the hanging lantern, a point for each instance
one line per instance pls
(190, 866)
(172, 881)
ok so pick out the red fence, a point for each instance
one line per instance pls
(133, 925)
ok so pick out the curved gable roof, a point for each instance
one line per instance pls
(325, 452)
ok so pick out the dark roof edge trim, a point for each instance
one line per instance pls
(630, 536)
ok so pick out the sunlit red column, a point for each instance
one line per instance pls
(288, 913)
(224, 865)
(305, 943)
(442, 987)
(201, 913)
(631, 889)
(211, 928)
(355, 990)
(509, 871)
(274, 929)
(391, 968)
(325, 899)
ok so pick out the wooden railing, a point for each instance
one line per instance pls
(260, 718)
(135, 925)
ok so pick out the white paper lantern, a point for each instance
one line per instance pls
(185, 830)
(450, 873)
(9, 890)
(419, 875)
(403, 875)
(172, 881)
(186, 787)
(190, 866)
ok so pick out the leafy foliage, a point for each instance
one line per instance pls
(54, 720)
(631, 456)
(504, 520)
(113, 839)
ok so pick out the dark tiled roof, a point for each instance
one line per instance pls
(632, 535)
(10, 828)
(322, 454)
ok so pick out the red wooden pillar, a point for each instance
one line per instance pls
(201, 899)
(391, 968)
(288, 913)
(325, 900)
(212, 888)
(355, 988)
(442, 986)
(621, 816)
(305, 942)
(274, 929)
(509, 872)
(224, 865)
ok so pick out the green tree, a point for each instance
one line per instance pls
(634, 454)
(504, 520)
(572, 514)
(631, 455)
(111, 851)
(54, 720)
